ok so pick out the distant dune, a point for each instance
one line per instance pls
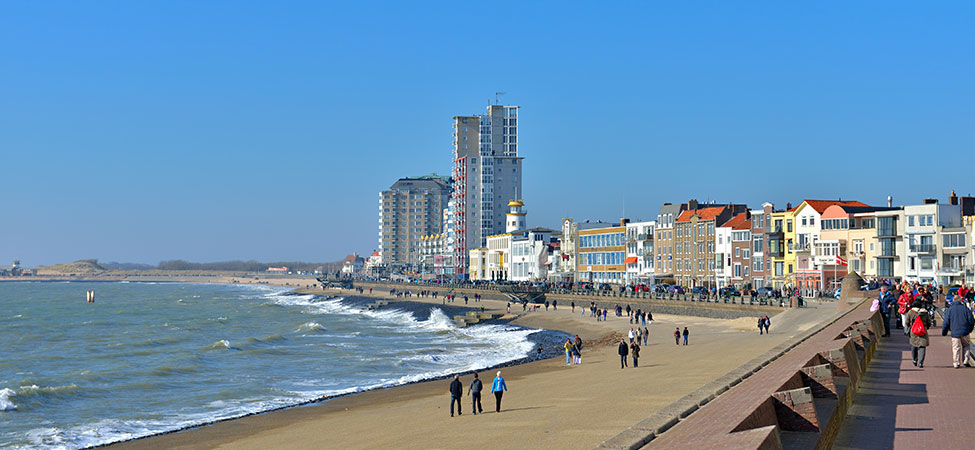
(83, 267)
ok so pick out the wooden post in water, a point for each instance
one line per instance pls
(90, 296)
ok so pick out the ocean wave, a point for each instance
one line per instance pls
(34, 395)
(221, 344)
(310, 326)
(165, 371)
(271, 338)
(6, 403)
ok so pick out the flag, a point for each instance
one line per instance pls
(841, 261)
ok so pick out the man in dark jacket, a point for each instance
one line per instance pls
(887, 301)
(623, 351)
(475, 393)
(456, 391)
(959, 321)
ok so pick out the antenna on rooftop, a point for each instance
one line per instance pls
(497, 97)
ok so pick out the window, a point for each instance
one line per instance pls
(803, 220)
(910, 221)
(885, 267)
(738, 253)
(788, 226)
(954, 240)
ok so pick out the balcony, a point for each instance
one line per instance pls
(951, 271)
(923, 248)
(799, 247)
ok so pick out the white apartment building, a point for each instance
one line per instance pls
(530, 254)
(640, 259)
(723, 272)
(937, 243)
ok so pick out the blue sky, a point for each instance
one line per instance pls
(145, 131)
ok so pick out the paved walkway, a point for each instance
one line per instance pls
(899, 406)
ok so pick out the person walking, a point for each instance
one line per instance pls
(917, 321)
(887, 300)
(631, 335)
(761, 325)
(498, 388)
(573, 306)
(605, 312)
(685, 335)
(578, 349)
(677, 336)
(555, 305)
(475, 392)
(646, 336)
(635, 352)
(768, 322)
(623, 351)
(959, 322)
(456, 390)
(904, 303)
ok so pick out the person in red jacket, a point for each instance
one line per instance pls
(903, 306)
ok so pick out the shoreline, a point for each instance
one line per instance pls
(605, 409)
(317, 401)
(344, 293)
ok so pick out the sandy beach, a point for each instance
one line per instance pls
(548, 404)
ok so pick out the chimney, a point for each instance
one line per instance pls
(930, 201)
(953, 199)
(788, 206)
(624, 221)
(692, 205)
(890, 201)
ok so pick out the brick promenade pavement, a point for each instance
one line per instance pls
(899, 406)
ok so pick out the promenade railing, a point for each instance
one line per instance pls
(781, 302)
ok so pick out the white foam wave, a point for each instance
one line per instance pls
(223, 343)
(6, 403)
(310, 326)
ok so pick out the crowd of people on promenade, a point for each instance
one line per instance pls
(912, 307)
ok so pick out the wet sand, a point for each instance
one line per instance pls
(548, 404)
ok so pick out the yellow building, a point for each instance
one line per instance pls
(477, 264)
(602, 254)
(782, 249)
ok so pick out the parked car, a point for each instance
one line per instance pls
(698, 290)
(676, 289)
(764, 291)
(729, 291)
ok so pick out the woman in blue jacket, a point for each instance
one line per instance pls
(498, 388)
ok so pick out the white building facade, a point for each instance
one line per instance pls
(640, 260)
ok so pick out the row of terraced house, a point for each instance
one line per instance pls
(808, 246)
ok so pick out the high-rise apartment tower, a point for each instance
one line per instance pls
(487, 174)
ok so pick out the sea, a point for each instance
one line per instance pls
(150, 358)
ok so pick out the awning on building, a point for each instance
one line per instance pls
(631, 259)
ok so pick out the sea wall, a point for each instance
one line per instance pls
(677, 304)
